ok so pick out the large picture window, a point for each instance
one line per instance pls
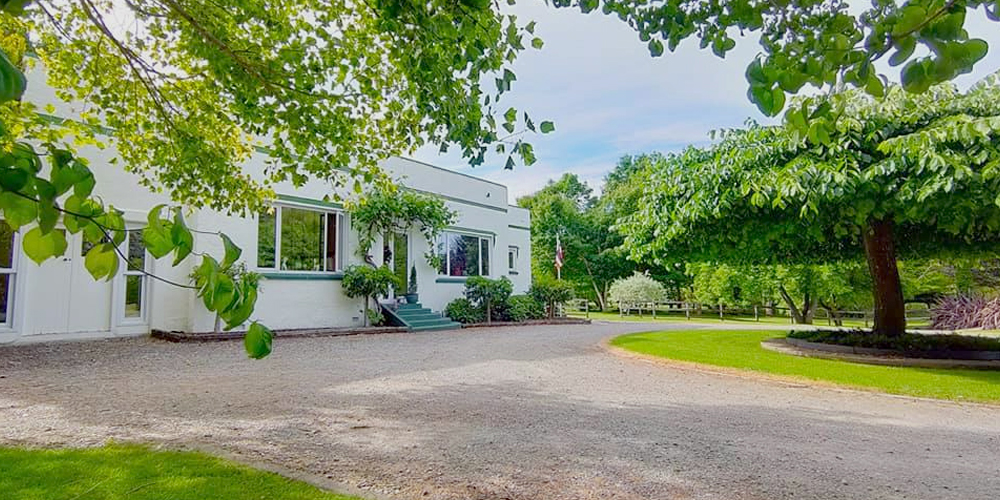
(299, 239)
(464, 255)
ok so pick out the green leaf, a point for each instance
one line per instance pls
(17, 210)
(904, 49)
(537, 43)
(777, 100)
(655, 47)
(13, 179)
(257, 341)
(67, 172)
(547, 127)
(755, 73)
(875, 86)
(233, 252)
(39, 246)
(102, 261)
(48, 215)
(762, 96)
(915, 77)
(527, 153)
(510, 163)
(948, 27)
(224, 292)
(181, 238)
(12, 81)
(510, 116)
(243, 308)
(157, 237)
(908, 19)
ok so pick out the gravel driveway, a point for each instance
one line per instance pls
(503, 413)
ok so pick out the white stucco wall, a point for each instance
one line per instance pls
(86, 308)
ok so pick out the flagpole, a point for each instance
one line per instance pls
(558, 258)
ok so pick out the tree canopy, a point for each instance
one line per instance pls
(592, 255)
(920, 172)
(390, 209)
(327, 88)
(821, 43)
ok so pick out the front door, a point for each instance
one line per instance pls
(62, 296)
(396, 255)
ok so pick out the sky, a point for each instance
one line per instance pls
(609, 98)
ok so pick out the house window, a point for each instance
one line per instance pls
(299, 239)
(8, 263)
(512, 259)
(464, 255)
(135, 277)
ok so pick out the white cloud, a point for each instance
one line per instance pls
(608, 97)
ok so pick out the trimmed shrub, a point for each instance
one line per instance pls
(489, 295)
(523, 308)
(957, 312)
(464, 311)
(368, 282)
(551, 292)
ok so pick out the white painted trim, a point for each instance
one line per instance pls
(341, 243)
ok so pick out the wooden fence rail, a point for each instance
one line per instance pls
(689, 309)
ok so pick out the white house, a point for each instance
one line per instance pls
(60, 300)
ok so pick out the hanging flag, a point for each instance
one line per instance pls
(559, 253)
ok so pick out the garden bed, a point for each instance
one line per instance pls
(531, 322)
(909, 345)
(291, 333)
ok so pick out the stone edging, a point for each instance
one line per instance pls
(885, 357)
(304, 333)
(531, 322)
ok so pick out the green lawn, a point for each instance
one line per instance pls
(138, 473)
(741, 349)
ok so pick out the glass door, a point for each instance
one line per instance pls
(400, 261)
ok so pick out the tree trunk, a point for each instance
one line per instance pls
(489, 312)
(365, 322)
(833, 314)
(796, 314)
(880, 250)
(808, 309)
(597, 291)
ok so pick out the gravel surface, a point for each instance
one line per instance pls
(542, 412)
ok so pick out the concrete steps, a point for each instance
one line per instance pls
(419, 318)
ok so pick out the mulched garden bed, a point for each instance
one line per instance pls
(303, 332)
(913, 345)
(533, 322)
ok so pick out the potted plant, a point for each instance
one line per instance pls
(411, 287)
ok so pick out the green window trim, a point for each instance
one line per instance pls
(451, 279)
(294, 275)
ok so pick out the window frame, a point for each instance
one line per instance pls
(446, 252)
(339, 245)
(145, 282)
(13, 274)
(515, 252)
